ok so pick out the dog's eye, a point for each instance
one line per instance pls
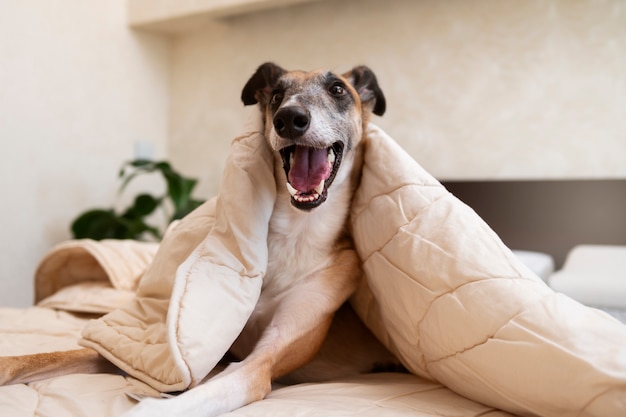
(337, 89)
(277, 97)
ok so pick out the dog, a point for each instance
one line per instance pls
(301, 329)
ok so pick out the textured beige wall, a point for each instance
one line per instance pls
(77, 89)
(476, 89)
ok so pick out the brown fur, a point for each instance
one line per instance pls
(29, 368)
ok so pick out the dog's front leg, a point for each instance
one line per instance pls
(293, 336)
(277, 353)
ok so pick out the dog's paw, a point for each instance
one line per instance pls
(148, 407)
(211, 399)
(171, 406)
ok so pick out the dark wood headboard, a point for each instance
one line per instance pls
(549, 216)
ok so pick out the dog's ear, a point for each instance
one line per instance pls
(365, 83)
(261, 84)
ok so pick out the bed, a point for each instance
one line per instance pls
(467, 356)
(572, 232)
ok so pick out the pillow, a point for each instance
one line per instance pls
(594, 275)
(540, 263)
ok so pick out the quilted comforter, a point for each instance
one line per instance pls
(440, 290)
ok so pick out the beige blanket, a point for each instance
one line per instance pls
(440, 290)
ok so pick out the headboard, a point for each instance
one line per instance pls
(549, 216)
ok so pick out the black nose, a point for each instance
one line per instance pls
(291, 122)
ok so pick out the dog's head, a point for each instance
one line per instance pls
(315, 121)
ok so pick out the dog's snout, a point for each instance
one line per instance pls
(291, 122)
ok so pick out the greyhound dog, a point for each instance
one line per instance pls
(301, 329)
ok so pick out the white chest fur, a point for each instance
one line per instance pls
(301, 242)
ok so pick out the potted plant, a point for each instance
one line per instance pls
(132, 223)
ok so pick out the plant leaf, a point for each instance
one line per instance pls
(179, 188)
(105, 224)
(144, 205)
(96, 224)
(142, 166)
(191, 205)
(135, 227)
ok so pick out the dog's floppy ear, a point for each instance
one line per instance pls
(261, 84)
(365, 83)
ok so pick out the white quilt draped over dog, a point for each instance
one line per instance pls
(440, 290)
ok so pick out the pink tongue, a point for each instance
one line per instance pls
(310, 166)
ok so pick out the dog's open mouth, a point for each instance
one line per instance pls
(310, 171)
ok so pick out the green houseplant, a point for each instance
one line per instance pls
(132, 223)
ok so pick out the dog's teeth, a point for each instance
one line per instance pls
(320, 187)
(291, 159)
(291, 190)
(331, 156)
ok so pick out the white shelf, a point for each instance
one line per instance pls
(179, 16)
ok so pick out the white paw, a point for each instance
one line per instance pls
(149, 407)
(189, 404)
(210, 399)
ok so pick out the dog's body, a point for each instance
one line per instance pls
(314, 122)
